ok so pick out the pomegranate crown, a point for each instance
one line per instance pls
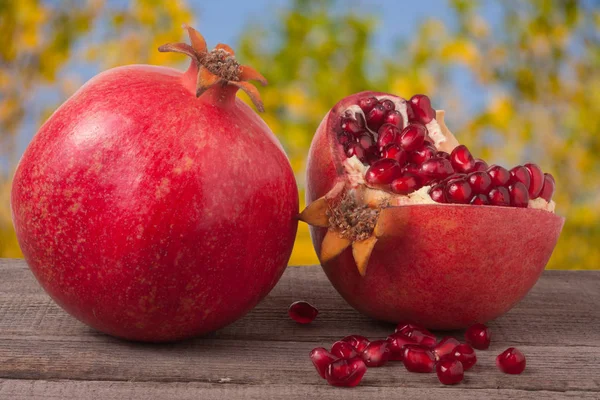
(218, 66)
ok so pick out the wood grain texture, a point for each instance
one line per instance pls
(46, 354)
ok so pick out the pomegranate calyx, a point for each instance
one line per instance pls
(361, 251)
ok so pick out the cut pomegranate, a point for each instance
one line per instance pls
(357, 341)
(536, 181)
(343, 349)
(548, 188)
(511, 361)
(480, 182)
(499, 196)
(421, 108)
(347, 373)
(383, 172)
(444, 347)
(450, 372)
(377, 353)
(478, 336)
(458, 191)
(397, 341)
(405, 184)
(412, 137)
(520, 174)
(465, 354)
(418, 358)
(500, 175)
(302, 312)
(462, 160)
(321, 359)
(519, 196)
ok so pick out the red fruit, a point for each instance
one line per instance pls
(343, 349)
(376, 354)
(394, 152)
(355, 149)
(376, 116)
(548, 188)
(478, 336)
(302, 312)
(137, 210)
(388, 105)
(461, 159)
(458, 191)
(357, 341)
(438, 194)
(536, 181)
(383, 171)
(368, 103)
(436, 168)
(397, 341)
(321, 359)
(480, 182)
(519, 197)
(500, 175)
(418, 358)
(511, 361)
(394, 118)
(347, 373)
(405, 184)
(479, 165)
(421, 107)
(422, 154)
(499, 197)
(412, 137)
(450, 372)
(444, 347)
(387, 135)
(465, 354)
(520, 174)
(480, 200)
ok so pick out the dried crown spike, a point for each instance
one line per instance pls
(217, 66)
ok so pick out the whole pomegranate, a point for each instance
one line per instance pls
(408, 225)
(154, 205)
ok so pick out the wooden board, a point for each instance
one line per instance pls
(46, 354)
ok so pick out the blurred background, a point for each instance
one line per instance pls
(520, 80)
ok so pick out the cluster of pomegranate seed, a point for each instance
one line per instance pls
(401, 159)
(302, 312)
(417, 348)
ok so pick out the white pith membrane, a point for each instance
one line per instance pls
(352, 209)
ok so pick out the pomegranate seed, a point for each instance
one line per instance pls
(388, 105)
(366, 141)
(386, 135)
(511, 361)
(352, 126)
(422, 154)
(343, 349)
(412, 137)
(458, 191)
(500, 175)
(406, 326)
(375, 117)
(444, 347)
(411, 168)
(436, 168)
(437, 193)
(479, 165)
(499, 197)
(537, 180)
(396, 343)
(478, 336)
(450, 372)
(421, 336)
(345, 138)
(394, 118)
(520, 174)
(347, 373)
(394, 152)
(461, 158)
(406, 184)
(321, 359)
(302, 312)
(548, 188)
(480, 182)
(418, 358)
(367, 104)
(480, 200)
(519, 196)
(355, 149)
(356, 341)
(442, 154)
(421, 107)
(383, 172)
(376, 354)
(465, 354)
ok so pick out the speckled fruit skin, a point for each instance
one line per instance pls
(153, 215)
(443, 266)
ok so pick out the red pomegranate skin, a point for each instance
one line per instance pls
(443, 266)
(153, 215)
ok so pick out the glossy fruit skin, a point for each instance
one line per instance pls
(137, 212)
(400, 283)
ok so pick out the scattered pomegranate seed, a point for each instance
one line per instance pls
(377, 353)
(405, 184)
(422, 154)
(478, 336)
(354, 149)
(437, 194)
(412, 137)
(383, 172)
(520, 174)
(537, 180)
(343, 349)
(347, 373)
(548, 188)
(480, 165)
(421, 336)
(397, 341)
(458, 191)
(480, 200)
(450, 372)
(357, 341)
(519, 196)
(511, 361)
(388, 105)
(421, 107)
(461, 158)
(394, 152)
(302, 312)
(499, 196)
(418, 358)
(375, 117)
(465, 354)
(444, 347)
(367, 104)
(395, 118)
(436, 168)
(480, 182)
(406, 326)
(500, 175)
(321, 359)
